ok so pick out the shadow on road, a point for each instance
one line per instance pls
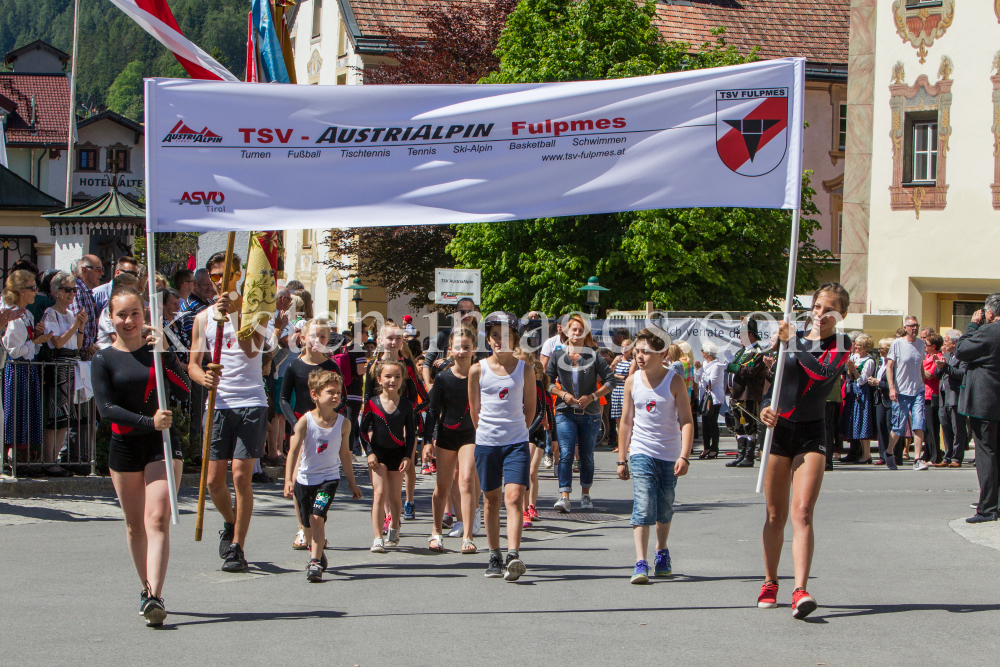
(844, 611)
(238, 617)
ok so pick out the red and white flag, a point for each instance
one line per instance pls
(156, 18)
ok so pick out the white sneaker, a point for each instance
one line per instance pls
(392, 539)
(920, 465)
(586, 503)
(477, 522)
(457, 530)
(547, 461)
(378, 546)
(562, 505)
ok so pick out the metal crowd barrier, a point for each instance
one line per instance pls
(38, 400)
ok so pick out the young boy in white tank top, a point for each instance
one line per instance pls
(323, 439)
(654, 446)
(502, 402)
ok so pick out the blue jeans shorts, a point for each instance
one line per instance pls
(509, 464)
(907, 409)
(653, 485)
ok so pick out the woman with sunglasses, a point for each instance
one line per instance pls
(66, 331)
(22, 396)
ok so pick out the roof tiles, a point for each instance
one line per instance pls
(51, 116)
(815, 29)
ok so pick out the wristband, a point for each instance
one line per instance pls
(686, 459)
(621, 463)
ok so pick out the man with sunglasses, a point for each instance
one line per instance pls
(905, 375)
(434, 357)
(88, 271)
(128, 265)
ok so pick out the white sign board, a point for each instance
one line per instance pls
(450, 285)
(245, 156)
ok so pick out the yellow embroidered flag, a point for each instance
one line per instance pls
(260, 287)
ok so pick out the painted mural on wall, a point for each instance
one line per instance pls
(920, 26)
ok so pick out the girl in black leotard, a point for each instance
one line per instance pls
(295, 385)
(125, 388)
(388, 433)
(456, 439)
(391, 347)
(798, 458)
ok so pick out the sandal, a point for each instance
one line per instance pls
(299, 543)
(468, 547)
(440, 543)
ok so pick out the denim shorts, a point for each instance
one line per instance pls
(496, 466)
(653, 484)
(907, 408)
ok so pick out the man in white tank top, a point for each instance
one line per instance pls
(654, 446)
(239, 426)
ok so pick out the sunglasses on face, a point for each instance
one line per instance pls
(33, 288)
(68, 290)
(216, 277)
(93, 268)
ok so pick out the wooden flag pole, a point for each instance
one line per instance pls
(220, 320)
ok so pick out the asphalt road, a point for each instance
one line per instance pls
(896, 584)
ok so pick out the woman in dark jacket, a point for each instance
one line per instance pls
(576, 368)
(883, 408)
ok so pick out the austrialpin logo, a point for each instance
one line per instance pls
(212, 201)
(182, 132)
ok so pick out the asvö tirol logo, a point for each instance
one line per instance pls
(182, 132)
(751, 129)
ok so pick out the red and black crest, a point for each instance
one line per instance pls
(650, 406)
(322, 446)
(751, 128)
(503, 393)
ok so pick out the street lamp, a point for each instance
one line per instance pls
(593, 290)
(356, 287)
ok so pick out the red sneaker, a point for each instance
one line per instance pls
(426, 470)
(527, 520)
(803, 604)
(433, 466)
(768, 598)
(386, 524)
(532, 512)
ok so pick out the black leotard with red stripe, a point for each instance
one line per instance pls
(389, 431)
(809, 373)
(413, 387)
(449, 404)
(125, 388)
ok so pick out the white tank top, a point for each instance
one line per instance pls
(242, 383)
(320, 460)
(501, 407)
(656, 432)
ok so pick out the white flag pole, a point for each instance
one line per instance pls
(155, 301)
(793, 260)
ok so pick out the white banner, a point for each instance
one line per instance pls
(450, 285)
(233, 156)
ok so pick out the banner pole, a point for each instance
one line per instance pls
(793, 261)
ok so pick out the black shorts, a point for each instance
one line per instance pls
(134, 453)
(390, 458)
(238, 433)
(314, 499)
(794, 438)
(454, 440)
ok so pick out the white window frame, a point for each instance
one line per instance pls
(929, 175)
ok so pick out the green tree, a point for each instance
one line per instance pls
(690, 259)
(126, 95)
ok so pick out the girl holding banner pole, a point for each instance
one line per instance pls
(121, 376)
(798, 448)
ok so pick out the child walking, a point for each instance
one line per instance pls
(388, 433)
(322, 438)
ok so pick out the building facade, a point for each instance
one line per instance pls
(922, 184)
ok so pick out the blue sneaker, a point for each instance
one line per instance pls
(662, 566)
(640, 575)
(409, 511)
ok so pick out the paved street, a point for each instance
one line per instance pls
(897, 585)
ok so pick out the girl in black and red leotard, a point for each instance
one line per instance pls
(388, 433)
(391, 346)
(456, 439)
(125, 389)
(798, 448)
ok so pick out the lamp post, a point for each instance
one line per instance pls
(593, 290)
(356, 287)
